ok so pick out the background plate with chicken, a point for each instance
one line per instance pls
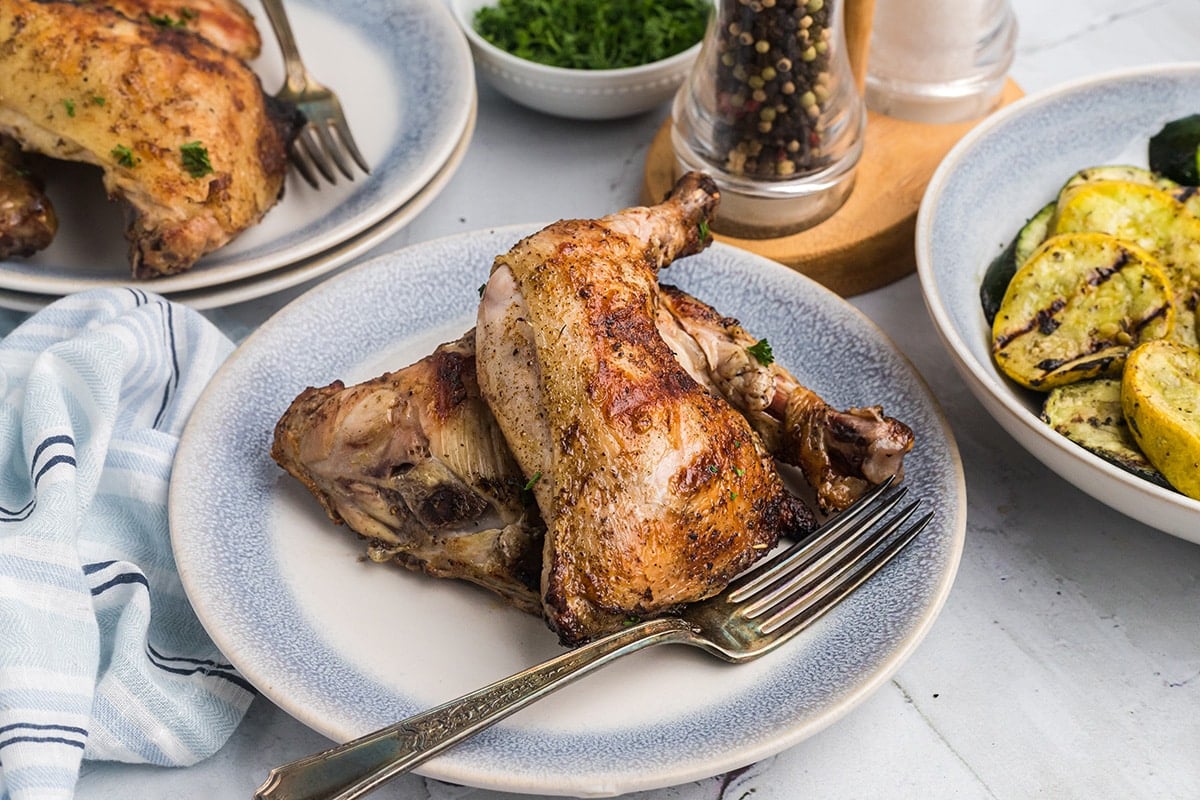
(406, 79)
(347, 646)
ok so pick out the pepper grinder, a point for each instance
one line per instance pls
(773, 112)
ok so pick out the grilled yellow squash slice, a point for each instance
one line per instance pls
(1153, 219)
(1077, 307)
(1116, 172)
(1160, 395)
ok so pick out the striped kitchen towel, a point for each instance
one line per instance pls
(101, 655)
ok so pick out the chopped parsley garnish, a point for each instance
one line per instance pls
(593, 34)
(124, 156)
(704, 230)
(529, 483)
(166, 21)
(195, 159)
(69, 105)
(761, 350)
(97, 100)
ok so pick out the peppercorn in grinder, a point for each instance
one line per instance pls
(773, 110)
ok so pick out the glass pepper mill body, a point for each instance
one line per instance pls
(771, 110)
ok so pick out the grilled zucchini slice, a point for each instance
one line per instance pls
(1000, 272)
(1160, 396)
(1076, 309)
(1175, 150)
(1089, 413)
(1153, 219)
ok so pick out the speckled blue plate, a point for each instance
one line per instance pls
(997, 177)
(347, 646)
(406, 80)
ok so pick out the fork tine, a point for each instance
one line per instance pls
(308, 142)
(861, 563)
(769, 570)
(799, 572)
(343, 132)
(331, 148)
(304, 165)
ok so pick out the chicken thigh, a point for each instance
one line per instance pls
(655, 492)
(180, 128)
(413, 462)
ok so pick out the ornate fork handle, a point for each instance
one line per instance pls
(353, 769)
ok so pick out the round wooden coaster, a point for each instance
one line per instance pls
(868, 242)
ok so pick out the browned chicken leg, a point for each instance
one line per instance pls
(413, 462)
(841, 453)
(181, 129)
(27, 219)
(654, 491)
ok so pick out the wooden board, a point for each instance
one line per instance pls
(868, 242)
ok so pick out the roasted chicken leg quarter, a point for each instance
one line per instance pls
(181, 129)
(643, 420)
(413, 462)
(655, 492)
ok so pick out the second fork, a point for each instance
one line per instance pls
(325, 140)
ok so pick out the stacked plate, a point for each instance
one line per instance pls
(406, 80)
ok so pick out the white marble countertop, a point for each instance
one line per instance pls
(1066, 662)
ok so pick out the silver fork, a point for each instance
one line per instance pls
(759, 611)
(316, 145)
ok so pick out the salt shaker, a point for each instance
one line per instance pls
(771, 110)
(939, 61)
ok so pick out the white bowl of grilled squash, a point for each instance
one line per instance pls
(1058, 248)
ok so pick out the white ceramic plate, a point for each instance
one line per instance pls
(347, 646)
(406, 80)
(998, 176)
(294, 274)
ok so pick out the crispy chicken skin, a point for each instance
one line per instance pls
(155, 109)
(413, 462)
(654, 491)
(27, 219)
(225, 23)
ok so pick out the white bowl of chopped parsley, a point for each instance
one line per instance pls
(585, 59)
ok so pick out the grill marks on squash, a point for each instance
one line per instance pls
(1076, 309)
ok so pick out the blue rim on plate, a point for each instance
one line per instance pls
(988, 185)
(347, 647)
(405, 76)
